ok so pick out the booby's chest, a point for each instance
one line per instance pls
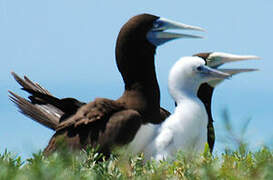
(189, 118)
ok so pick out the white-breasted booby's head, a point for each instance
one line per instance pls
(188, 74)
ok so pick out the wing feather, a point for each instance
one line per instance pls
(41, 115)
(26, 83)
(99, 109)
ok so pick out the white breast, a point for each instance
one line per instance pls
(189, 125)
(144, 136)
(185, 130)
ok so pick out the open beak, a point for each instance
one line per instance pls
(217, 59)
(158, 35)
(214, 83)
(213, 74)
(236, 71)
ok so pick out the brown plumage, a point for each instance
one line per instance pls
(205, 93)
(103, 122)
(106, 122)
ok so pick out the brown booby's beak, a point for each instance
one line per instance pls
(158, 35)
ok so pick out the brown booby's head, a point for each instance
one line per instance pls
(137, 42)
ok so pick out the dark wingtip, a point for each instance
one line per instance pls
(30, 110)
(11, 93)
(13, 97)
(15, 76)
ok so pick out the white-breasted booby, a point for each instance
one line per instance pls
(147, 132)
(106, 122)
(186, 128)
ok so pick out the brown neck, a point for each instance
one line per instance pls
(135, 61)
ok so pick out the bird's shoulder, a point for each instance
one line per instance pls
(99, 109)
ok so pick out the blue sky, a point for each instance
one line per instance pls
(65, 45)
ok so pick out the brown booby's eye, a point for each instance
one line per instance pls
(156, 25)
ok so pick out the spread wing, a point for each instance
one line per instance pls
(102, 122)
(43, 107)
(100, 109)
(49, 119)
(26, 83)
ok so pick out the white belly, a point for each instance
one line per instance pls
(190, 127)
(185, 130)
(143, 137)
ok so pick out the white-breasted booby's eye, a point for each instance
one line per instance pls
(199, 68)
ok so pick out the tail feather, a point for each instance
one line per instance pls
(26, 83)
(43, 107)
(38, 113)
(43, 113)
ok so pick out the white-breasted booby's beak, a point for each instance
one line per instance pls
(158, 36)
(217, 59)
(212, 74)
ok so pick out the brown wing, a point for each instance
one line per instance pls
(164, 114)
(101, 123)
(42, 107)
(121, 128)
(28, 84)
(100, 109)
(47, 118)
(44, 114)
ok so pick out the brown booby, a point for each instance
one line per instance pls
(106, 122)
(213, 59)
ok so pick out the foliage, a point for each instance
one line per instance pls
(239, 164)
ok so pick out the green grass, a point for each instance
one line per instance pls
(231, 164)
(239, 164)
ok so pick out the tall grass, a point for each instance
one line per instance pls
(238, 163)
